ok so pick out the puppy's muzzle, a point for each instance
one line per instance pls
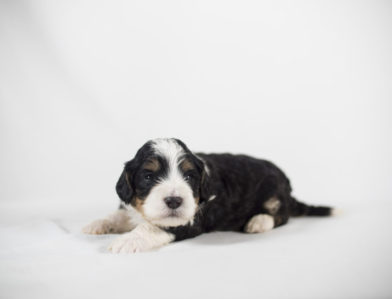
(173, 202)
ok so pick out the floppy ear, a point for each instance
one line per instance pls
(124, 187)
(205, 190)
(205, 180)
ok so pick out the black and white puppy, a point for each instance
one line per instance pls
(169, 194)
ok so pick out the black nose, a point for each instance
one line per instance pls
(173, 202)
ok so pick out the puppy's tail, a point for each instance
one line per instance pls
(300, 209)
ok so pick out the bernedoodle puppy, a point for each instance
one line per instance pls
(170, 194)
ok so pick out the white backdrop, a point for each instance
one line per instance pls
(83, 84)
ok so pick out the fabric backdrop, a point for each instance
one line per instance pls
(307, 85)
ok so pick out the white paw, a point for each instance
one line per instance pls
(130, 243)
(259, 224)
(98, 227)
(143, 238)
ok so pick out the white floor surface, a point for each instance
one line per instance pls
(44, 255)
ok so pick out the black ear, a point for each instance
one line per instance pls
(205, 184)
(124, 187)
(205, 187)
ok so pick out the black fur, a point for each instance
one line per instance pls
(240, 184)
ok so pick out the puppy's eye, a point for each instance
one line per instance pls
(187, 177)
(148, 177)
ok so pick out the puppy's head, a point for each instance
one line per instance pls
(164, 182)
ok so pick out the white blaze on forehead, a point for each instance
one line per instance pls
(169, 149)
(173, 153)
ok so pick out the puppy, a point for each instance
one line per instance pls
(170, 194)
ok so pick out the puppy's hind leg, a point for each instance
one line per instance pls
(116, 223)
(274, 214)
(259, 224)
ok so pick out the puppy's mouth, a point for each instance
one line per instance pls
(174, 214)
(171, 219)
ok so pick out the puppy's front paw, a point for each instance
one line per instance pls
(143, 238)
(130, 243)
(98, 227)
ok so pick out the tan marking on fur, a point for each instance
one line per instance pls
(138, 204)
(272, 205)
(152, 165)
(186, 165)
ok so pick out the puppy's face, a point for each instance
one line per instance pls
(163, 182)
